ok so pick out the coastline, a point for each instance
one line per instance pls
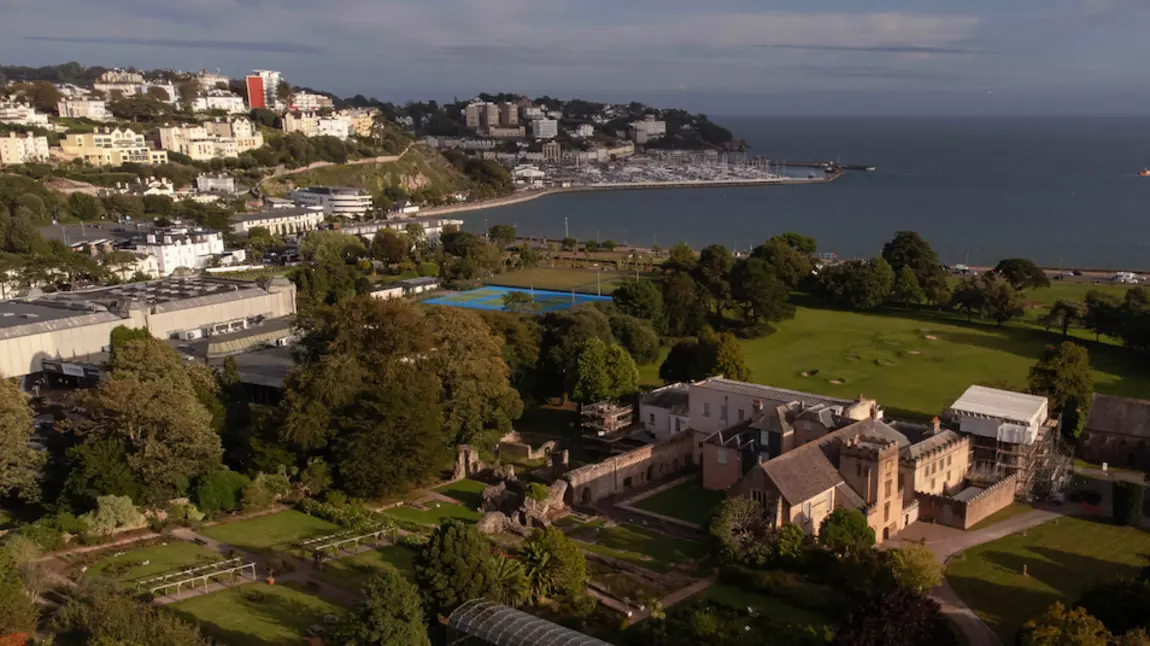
(528, 196)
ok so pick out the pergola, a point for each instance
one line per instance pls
(500, 625)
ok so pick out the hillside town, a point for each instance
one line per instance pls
(261, 387)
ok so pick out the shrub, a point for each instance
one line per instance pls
(785, 585)
(536, 491)
(353, 516)
(1128, 499)
(220, 491)
(414, 541)
(112, 513)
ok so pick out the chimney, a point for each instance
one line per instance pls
(936, 424)
(874, 411)
(860, 399)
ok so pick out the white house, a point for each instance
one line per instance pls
(216, 184)
(177, 247)
(23, 148)
(545, 128)
(310, 124)
(21, 114)
(309, 102)
(223, 100)
(280, 221)
(339, 201)
(389, 292)
(83, 108)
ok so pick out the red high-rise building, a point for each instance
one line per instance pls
(256, 96)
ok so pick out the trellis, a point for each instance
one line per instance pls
(206, 578)
(336, 542)
(187, 572)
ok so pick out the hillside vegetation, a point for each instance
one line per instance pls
(421, 167)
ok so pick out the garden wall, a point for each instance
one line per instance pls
(963, 514)
(617, 474)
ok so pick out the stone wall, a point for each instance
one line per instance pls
(963, 514)
(617, 474)
(512, 446)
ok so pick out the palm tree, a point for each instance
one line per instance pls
(510, 586)
(536, 560)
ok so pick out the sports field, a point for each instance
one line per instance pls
(491, 298)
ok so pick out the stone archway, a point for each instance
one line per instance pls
(586, 496)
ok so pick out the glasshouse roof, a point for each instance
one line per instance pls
(500, 625)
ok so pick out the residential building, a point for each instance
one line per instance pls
(122, 77)
(362, 120)
(482, 116)
(496, 132)
(70, 91)
(508, 115)
(63, 336)
(552, 152)
(262, 86)
(83, 108)
(310, 124)
(432, 227)
(663, 411)
(22, 148)
(310, 102)
(176, 247)
(527, 174)
(280, 221)
(338, 201)
(210, 82)
(128, 83)
(241, 129)
(583, 130)
(1012, 434)
(388, 292)
(532, 113)
(221, 100)
(1117, 433)
(216, 184)
(21, 114)
(112, 147)
(649, 129)
(149, 186)
(415, 286)
(545, 128)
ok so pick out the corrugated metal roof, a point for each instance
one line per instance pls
(781, 395)
(1000, 404)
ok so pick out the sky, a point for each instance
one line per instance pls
(847, 57)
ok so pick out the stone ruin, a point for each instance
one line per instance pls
(467, 462)
(506, 507)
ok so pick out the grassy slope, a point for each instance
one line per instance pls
(1062, 559)
(275, 530)
(257, 614)
(420, 166)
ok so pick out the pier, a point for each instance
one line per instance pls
(830, 166)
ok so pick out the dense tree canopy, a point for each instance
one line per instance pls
(19, 464)
(455, 566)
(857, 284)
(1022, 273)
(641, 299)
(846, 531)
(895, 617)
(1060, 626)
(790, 264)
(1063, 374)
(908, 249)
(389, 615)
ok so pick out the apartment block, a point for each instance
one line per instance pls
(222, 100)
(545, 128)
(309, 102)
(212, 140)
(508, 115)
(310, 124)
(83, 108)
(23, 148)
(112, 147)
(21, 114)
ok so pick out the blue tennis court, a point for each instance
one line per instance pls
(491, 298)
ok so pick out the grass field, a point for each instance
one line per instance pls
(776, 609)
(435, 514)
(351, 573)
(468, 492)
(688, 501)
(890, 357)
(175, 555)
(645, 548)
(257, 614)
(563, 279)
(491, 298)
(275, 530)
(1062, 558)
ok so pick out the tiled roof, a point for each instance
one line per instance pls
(802, 474)
(1120, 415)
(936, 441)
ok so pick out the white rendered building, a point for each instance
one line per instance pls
(338, 201)
(545, 128)
(222, 100)
(23, 148)
(21, 114)
(280, 221)
(179, 247)
(84, 108)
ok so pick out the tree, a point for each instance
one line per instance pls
(604, 372)
(112, 513)
(895, 617)
(561, 345)
(637, 336)
(788, 263)
(1022, 273)
(106, 616)
(1063, 374)
(554, 564)
(908, 249)
(681, 258)
(728, 355)
(1103, 314)
(857, 284)
(906, 288)
(684, 363)
(914, 567)
(19, 464)
(641, 299)
(519, 303)
(688, 314)
(17, 610)
(845, 531)
(390, 613)
(85, 207)
(738, 527)
(1065, 314)
(510, 586)
(331, 246)
(988, 296)
(220, 491)
(713, 273)
(762, 296)
(521, 337)
(1123, 606)
(569, 244)
(390, 247)
(1128, 501)
(1060, 626)
(622, 372)
(42, 95)
(800, 243)
(455, 566)
(502, 235)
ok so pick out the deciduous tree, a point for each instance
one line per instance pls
(1063, 374)
(1022, 273)
(906, 288)
(1064, 314)
(640, 298)
(1060, 626)
(690, 307)
(763, 297)
(908, 249)
(846, 531)
(739, 525)
(789, 264)
(895, 617)
(455, 566)
(19, 465)
(914, 567)
(713, 273)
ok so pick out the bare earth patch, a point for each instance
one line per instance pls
(914, 352)
(809, 373)
(838, 382)
(930, 337)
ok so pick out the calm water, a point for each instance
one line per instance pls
(1054, 190)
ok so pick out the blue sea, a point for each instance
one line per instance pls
(1060, 191)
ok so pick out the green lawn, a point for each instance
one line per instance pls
(889, 357)
(257, 614)
(175, 555)
(351, 573)
(643, 547)
(561, 279)
(775, 608)
(1062, 558)
(274, 530)
(468, 492)
(688, 501)
(435, 514)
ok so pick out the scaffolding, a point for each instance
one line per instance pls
(1041, 467)
(604, 419)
